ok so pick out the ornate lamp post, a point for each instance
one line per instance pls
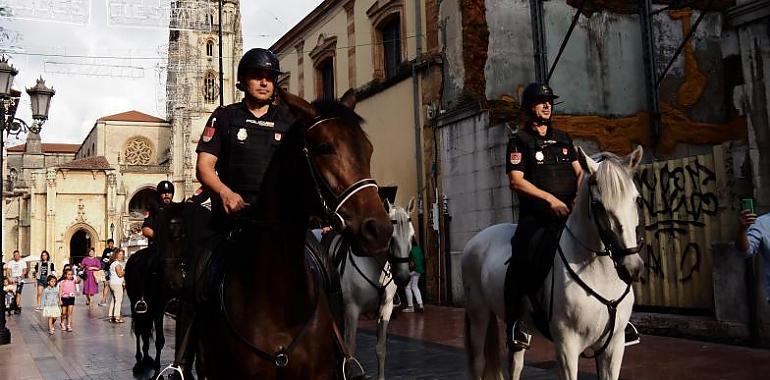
(40, 97)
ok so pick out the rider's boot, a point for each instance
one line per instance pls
(632, 335)
(517, 338)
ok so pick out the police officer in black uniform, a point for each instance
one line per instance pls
(239, 140)
(234, 151)
(543, 170)
(165, 190)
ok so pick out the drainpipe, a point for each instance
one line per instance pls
(538, 40)
(416, 109)
(650, 71)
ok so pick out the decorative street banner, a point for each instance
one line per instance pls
(65, 11)
(197, 15)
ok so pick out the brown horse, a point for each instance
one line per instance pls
(273, 320)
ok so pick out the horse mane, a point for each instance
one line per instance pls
(613, 179)
(401, 218)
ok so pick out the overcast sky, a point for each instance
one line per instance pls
(101, 66)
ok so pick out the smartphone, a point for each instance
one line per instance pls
(748, 204)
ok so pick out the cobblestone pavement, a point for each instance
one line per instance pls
(421, 346)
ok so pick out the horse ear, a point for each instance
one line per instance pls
(303, 110)
(410, 206)
(349, 99)
(635, 158)
(586, 162)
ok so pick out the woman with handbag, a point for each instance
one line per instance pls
(91, 265)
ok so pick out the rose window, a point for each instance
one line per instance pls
(138, 152)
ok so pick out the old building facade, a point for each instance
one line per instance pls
(66, 198)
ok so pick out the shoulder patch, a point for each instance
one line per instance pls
(209, 130)
(515, 158)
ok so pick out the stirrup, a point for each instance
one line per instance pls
(140, 307)
(632, 335)
(177, 369)
(520, 339)
(358, 364)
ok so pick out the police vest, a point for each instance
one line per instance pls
(550, 166)
(250, 145)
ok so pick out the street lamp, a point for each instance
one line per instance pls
(40, 97)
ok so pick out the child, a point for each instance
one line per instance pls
(50, 303)
(10, 295)
(67, 295)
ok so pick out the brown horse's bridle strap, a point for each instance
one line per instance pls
(339, 200)
(281, 357)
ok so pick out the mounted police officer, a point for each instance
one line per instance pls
(543, 170)
(165, 190)
(234, 150)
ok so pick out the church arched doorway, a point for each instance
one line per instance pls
(80, 243)
(142, 201)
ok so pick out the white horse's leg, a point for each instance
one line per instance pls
(386, 310)
(351, 327)
(567, 354)
(608, 363)
(382, 347)
(517, 363)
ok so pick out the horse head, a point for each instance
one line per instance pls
(339, 154)
(401, 243)
(613, 203)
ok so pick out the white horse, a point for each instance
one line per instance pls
(587, 293)
(369, 285)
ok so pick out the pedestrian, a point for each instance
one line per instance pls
(64, 270)
(16, 270)
(9, 288)
(754, 238)
(43, 269)
(416, 268)
(116, 285)
(90, 265)
(51, 303)
(106, 254)
(67, 296)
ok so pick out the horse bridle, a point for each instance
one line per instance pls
(332, 211)
(601, 219)
(598, 213)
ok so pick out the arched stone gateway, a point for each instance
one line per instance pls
(79, 239)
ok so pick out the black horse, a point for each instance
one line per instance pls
(155, 274)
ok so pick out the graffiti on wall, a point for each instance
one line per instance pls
(677, 198)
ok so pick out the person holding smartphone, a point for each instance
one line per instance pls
(754, 237)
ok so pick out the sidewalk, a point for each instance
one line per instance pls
(656, 358)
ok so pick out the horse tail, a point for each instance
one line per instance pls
(493, 369)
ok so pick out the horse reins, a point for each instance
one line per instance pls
(609, 248)
(281, 357)
(333, 212)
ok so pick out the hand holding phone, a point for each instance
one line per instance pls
(748, 204)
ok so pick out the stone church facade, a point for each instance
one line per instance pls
(67, 198)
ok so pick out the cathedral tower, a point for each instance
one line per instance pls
(192, 77)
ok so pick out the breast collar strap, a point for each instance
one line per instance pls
(332, 211)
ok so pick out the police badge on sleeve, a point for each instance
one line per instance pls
(515, 158)
(208, 131)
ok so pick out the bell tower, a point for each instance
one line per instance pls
(193, 77)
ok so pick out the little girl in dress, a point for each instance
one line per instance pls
(50, 303)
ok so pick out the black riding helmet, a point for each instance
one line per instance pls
(165, 187)
(259, 59)
(532, 93)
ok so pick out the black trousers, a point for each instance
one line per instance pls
(533, 248)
